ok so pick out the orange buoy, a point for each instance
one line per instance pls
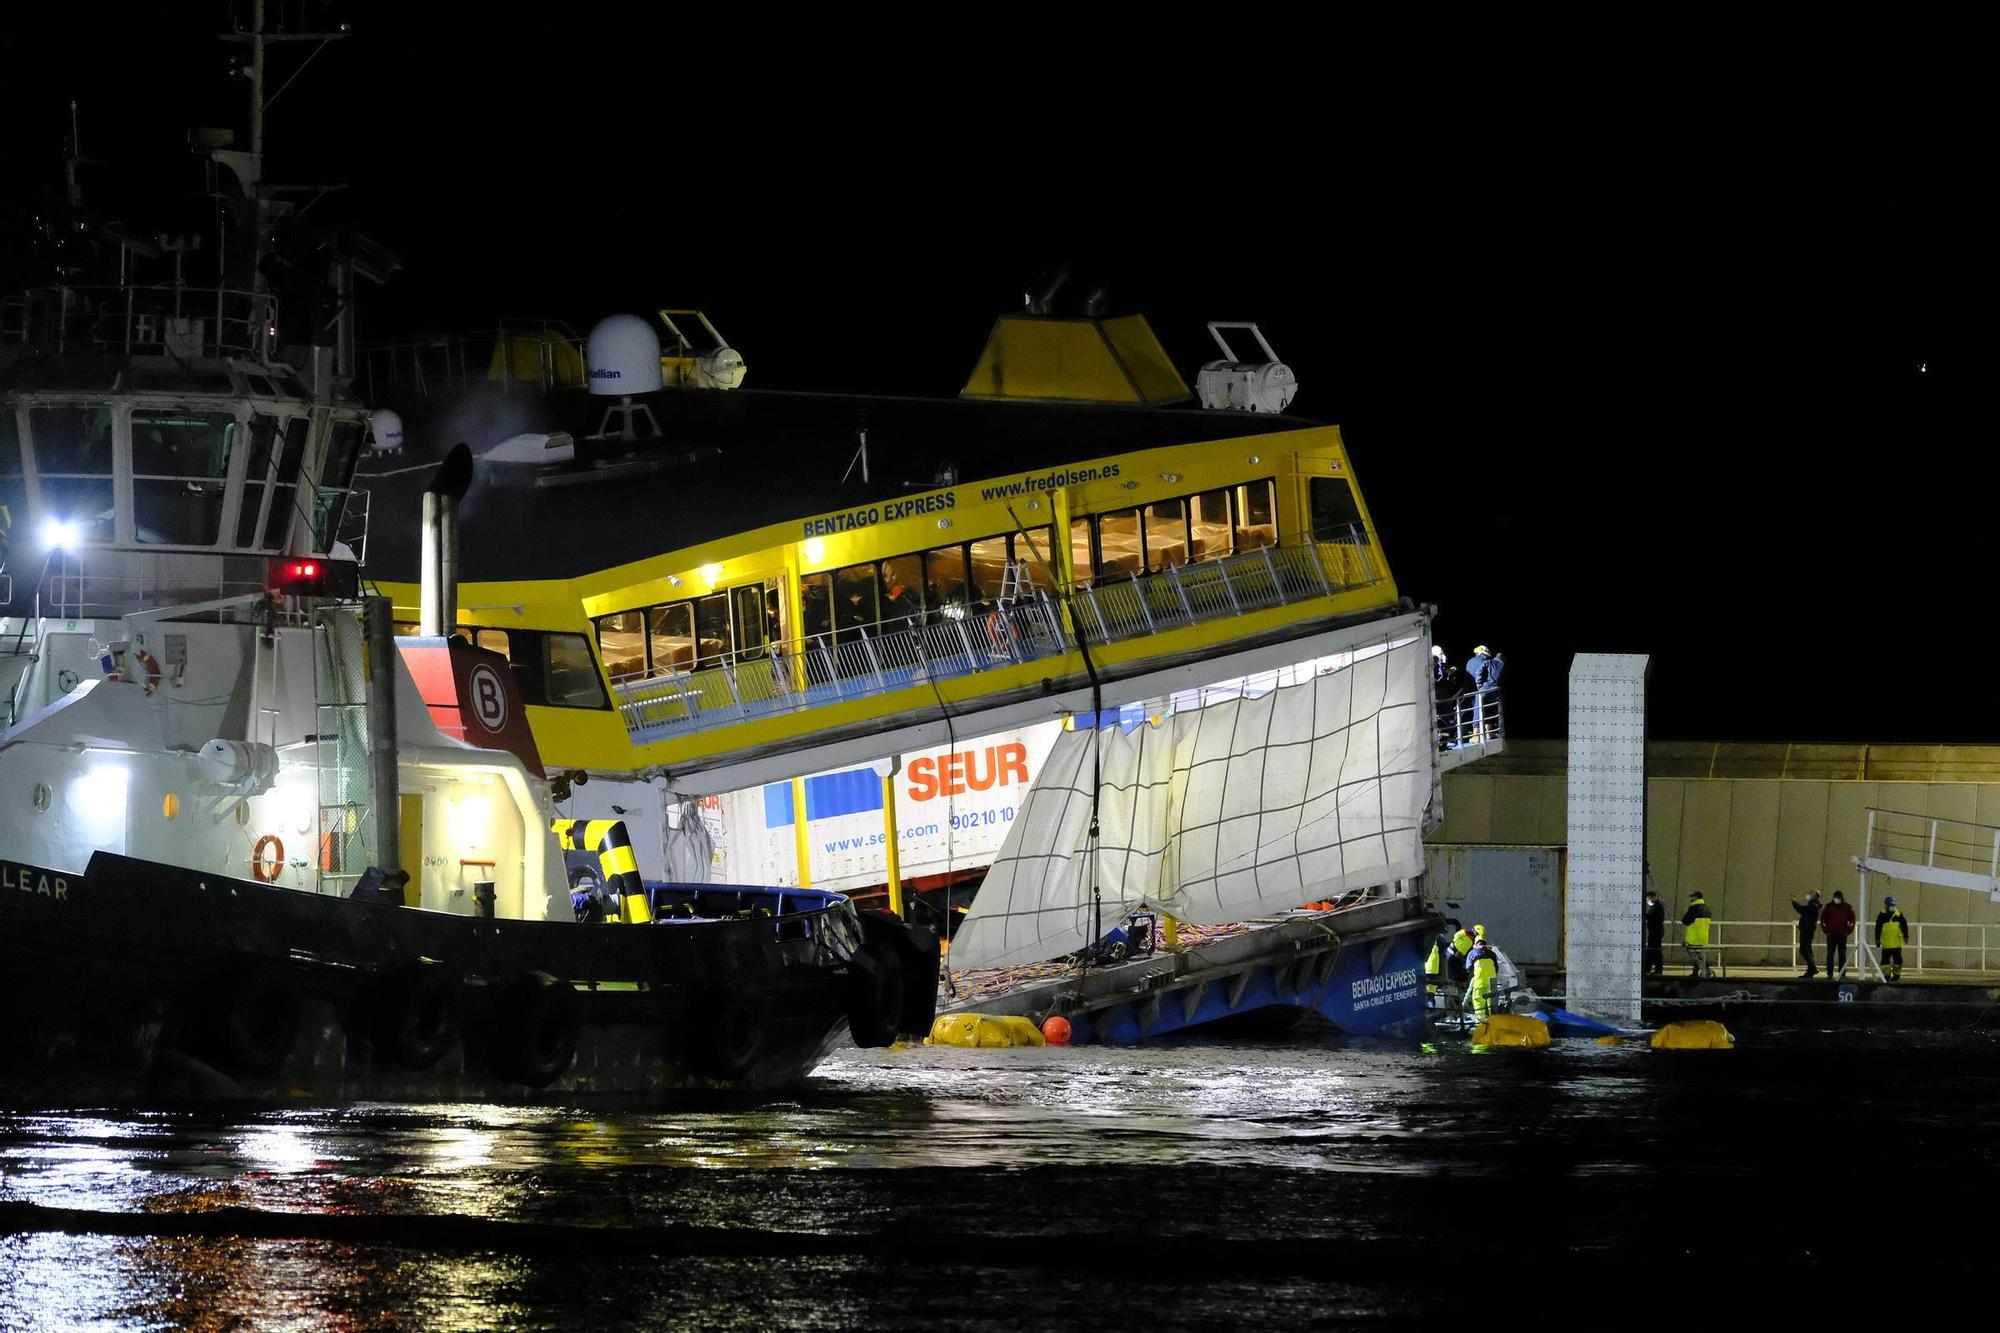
(1055, 1030)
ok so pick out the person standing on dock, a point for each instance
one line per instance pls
(1838, 923)
(1892, 928)
(1694, 934)
(1656, 936)
(1808, 923)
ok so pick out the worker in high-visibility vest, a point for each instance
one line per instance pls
(1892, 931)
(1485, 964)
(1694, 933)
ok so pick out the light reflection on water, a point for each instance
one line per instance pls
(1315, 1138)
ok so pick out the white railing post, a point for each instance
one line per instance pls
(1187, 609)
(1139, 593)
(1228, 588)
(1277, 583)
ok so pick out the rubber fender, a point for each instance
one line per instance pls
(1510, 1030)
(253, 1013)
(984, 1030)
(1695, 1034)
(534, 1033)
(417, 1011)
(875, 996)
(727, 1035)
(917, 955)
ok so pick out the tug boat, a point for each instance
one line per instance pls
(256, 846)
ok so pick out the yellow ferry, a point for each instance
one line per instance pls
(777, 573)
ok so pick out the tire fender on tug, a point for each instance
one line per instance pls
(893, 985)
(247, 1019)
(533, 1036)
(416, 1014)
(728, 1035)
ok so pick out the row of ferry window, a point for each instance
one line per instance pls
(180, 471)
(926, 587)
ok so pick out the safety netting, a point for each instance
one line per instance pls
(1232, 810)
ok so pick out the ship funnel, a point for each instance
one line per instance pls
(438, 598)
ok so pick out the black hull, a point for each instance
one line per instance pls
(137, 983)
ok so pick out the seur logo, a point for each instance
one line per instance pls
(489, 697)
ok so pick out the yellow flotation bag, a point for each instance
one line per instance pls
(984, 1030)
(1510, 1030)
(1696, 1034)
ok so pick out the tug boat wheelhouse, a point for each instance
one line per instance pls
(240, 857)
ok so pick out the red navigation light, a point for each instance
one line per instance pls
(293, 577)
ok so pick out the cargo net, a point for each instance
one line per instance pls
(1233, 811)
(342, 850)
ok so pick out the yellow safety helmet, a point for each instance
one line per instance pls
(1479, 932)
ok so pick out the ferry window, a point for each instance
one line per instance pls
(179, 462)
(711, 629)
(1080, 559)
(1118, 548)
(263, 438)
(73, 459)
(621, 641)
(854, 599)
(572, 680)
(1256, 515)
(404, 629)
(1335, 515)
(1166, 534)
(816, 604)
(1209, 526)
(492, 640)
(342, 450)
(989, 566)
(751, 629)
(669, 639)
(279, 521)
(1037, 547)
(903, 589)
(944, 577)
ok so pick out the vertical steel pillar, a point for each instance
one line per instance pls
(800, 844)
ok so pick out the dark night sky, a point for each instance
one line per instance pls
(1621, 313)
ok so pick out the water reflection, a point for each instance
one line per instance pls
(1308, 1138)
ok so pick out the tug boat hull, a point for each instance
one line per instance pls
(141, 983)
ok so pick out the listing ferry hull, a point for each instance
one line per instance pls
(140, 983)
(1359, 970)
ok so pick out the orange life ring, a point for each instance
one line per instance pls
(151, 668)
(276, 845)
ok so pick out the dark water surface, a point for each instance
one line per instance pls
(1314, 1182)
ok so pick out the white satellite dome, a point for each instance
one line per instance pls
(623, 356)
(386, 426)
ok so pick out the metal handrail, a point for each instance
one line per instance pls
(1780, 946)
(135, 320)
(1471, 717)
(913, 651)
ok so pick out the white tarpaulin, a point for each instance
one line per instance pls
(1236, 809)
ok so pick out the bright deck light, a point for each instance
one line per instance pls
(59, 534)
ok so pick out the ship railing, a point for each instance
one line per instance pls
(1940, 948)
(1472, 717)
(959, 641)
(847, 664)
(1257, 579)
(543, 352)
(182, 322)
(105, 584)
